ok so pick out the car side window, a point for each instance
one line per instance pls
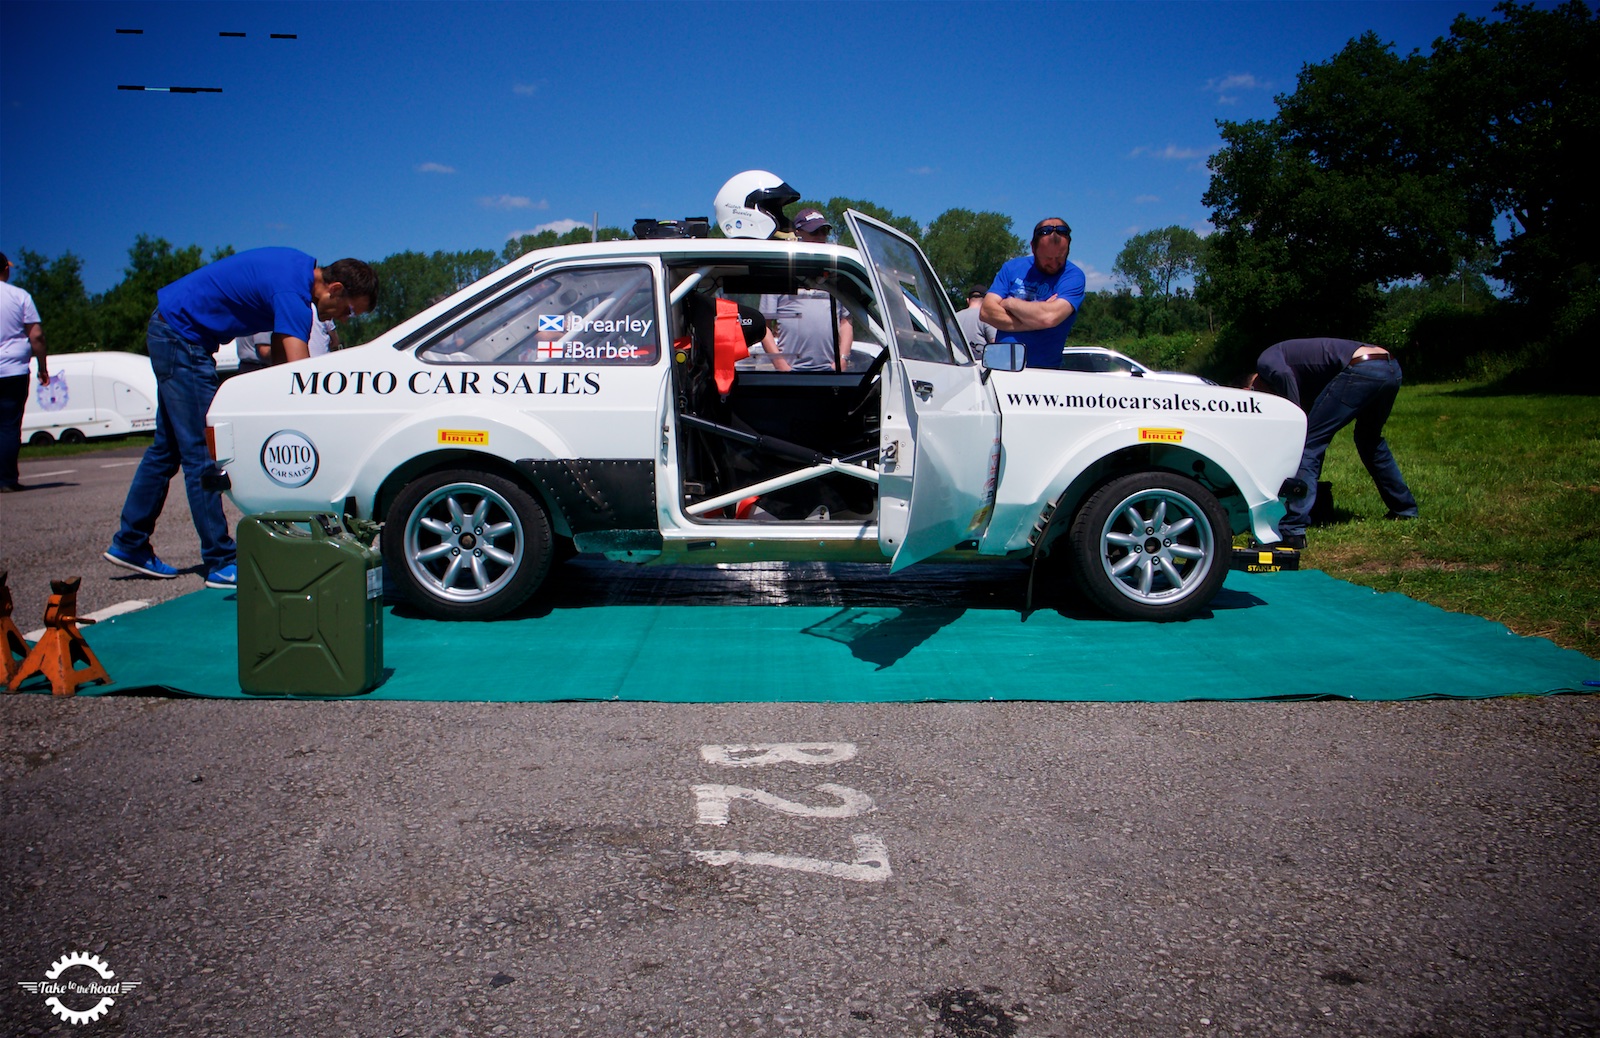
(1098, 362)
(578, 315)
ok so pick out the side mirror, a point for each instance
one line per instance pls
(1005, 356)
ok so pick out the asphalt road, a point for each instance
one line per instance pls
(1414, 870)
(60, 526)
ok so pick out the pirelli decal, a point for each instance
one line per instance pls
(1160, 435)
(464, 437)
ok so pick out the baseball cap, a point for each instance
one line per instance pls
(809, 220)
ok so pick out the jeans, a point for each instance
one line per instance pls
(13, 401)
(186, 382)
(1363, 393)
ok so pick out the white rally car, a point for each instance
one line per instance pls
(594, 393)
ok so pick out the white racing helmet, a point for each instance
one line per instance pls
(750, 205)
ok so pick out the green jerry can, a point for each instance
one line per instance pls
(310, 607)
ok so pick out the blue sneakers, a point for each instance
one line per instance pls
(150, 566)
(226, 578)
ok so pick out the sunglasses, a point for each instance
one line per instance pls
(1047, 231)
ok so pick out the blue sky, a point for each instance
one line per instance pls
(392, 126)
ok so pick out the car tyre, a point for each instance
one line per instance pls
(467, 545)
(72, 436)
(1169, 564)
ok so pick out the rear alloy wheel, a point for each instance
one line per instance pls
(467, 545)
(1151, 546)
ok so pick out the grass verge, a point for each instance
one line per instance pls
(1509, 490)
(62, 450)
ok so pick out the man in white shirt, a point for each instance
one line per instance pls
(21, 338)
(255, 351)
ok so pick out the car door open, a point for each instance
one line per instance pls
(941, 424)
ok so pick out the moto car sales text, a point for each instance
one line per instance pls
(425, 383)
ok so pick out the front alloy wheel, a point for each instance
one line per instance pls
(467, 545)
(1151, 546)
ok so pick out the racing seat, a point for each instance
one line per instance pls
(727, 459)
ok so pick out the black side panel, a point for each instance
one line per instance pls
(595, 495)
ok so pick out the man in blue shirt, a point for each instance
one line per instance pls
(262, 290)
(1034, 299)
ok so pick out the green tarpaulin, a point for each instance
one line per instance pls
(814, 633)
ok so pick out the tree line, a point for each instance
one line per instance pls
(1433, 203)
(966, 247)
(77, 321)
(1388, 186)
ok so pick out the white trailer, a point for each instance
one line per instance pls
(89, 395)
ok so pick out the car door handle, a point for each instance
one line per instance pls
(924, 390)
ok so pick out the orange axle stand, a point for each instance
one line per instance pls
(62, 646)
(13, 646)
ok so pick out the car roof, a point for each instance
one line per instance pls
(688, 248)
(669, 250)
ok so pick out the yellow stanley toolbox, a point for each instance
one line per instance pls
(1268, 558)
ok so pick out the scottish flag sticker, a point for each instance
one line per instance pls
(552, 322)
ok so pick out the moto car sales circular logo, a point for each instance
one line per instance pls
(289, 458)
(79, 987)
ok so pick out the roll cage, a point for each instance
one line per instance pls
(740, 449)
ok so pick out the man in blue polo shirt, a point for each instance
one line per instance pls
(262, 290)
(1034, 299)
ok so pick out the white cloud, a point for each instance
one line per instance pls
(1094, 280)
(559, 226)
(435, 167)
(1240, 82)
(1146, 199)
(920, 171)
(1194, 158)
(512, 202)
(525, 89)
(1228, 88)
(1171, 153)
